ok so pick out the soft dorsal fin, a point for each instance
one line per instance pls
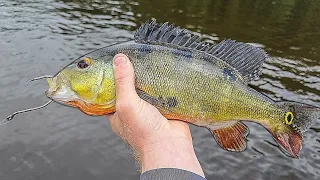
(244, 58)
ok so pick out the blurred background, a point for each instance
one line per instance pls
(39, 37)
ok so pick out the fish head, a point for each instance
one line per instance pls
(297, 119)
(87, 84)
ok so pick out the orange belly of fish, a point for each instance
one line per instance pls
(99, 110)
(91, 109)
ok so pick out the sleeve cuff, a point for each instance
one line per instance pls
(170, 174)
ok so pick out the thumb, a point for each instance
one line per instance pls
(124, 79)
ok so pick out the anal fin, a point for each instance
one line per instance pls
(232, 138)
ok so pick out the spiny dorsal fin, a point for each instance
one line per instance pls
(169, 35)
(244, 58)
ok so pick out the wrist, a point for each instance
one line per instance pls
(170, 153)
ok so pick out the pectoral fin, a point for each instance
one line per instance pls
(232, 138)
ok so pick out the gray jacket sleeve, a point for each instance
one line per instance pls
(170, 174)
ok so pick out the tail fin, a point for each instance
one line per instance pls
(290, 142)
(296, 121)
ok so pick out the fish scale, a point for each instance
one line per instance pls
(209, 91)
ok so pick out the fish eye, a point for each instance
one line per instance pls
(84, 63)
(289, 118)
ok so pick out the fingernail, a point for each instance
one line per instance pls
(120, 60)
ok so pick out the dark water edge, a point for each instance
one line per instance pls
(39, 37)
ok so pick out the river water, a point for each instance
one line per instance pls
(39, 37)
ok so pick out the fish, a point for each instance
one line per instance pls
(189, 80)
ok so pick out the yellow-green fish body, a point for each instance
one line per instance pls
(187, 80)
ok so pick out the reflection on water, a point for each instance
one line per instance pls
(41, 36)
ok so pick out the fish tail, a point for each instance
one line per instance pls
(296, 120)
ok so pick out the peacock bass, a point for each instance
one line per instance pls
(187, 80)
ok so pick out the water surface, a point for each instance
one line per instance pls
(39, 37)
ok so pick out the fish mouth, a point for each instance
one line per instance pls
(59, 90)
(52, 83)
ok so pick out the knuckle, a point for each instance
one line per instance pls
(140, 106)
(121, 77)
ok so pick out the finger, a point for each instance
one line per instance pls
(115, 123)
(124, 78)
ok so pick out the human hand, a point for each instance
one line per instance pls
(157, 142)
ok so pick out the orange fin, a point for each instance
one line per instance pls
(232, 138)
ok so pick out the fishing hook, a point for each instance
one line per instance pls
(41, 77)
(10, 117)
